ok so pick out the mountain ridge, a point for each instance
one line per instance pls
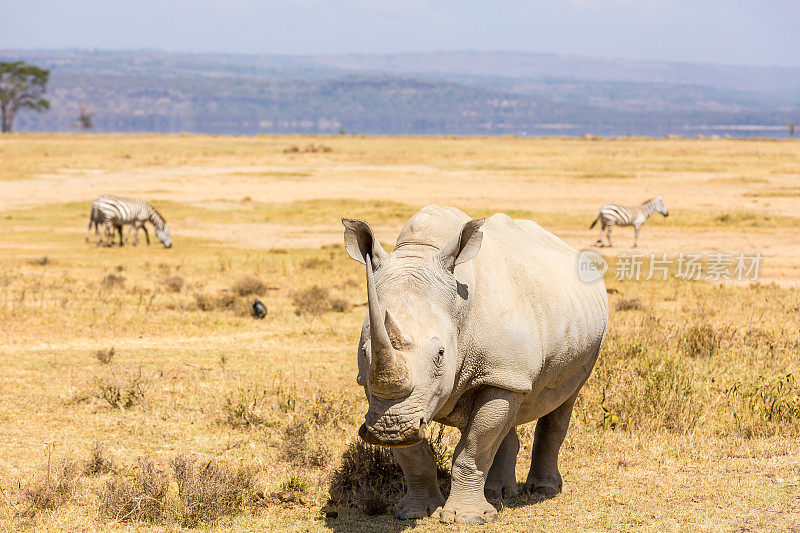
(486, 93)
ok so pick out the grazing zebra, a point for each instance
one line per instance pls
(617, 215)
(114, 212)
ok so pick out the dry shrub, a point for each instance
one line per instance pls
(766, 406)
(646, 393)
(53, 488)
(142, 497)
(123, 393)
(308, 149)
(174, 283)
(224, 301)
(40, 261)
(297, 450)
(369, 479)
(99, 461)
(629, 304)
(204, 301)
(247, 406)
(625, 349)
(304, 442)
(700, 340)
(211, 491)
(312, 148)
(295, 484)
(247, 285)
(327, 411)
(104, 356)
(758, 338)
(317, 300)
(314, 263)
(112, 281)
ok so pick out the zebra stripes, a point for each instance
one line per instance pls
(618, 215)
(113, 212)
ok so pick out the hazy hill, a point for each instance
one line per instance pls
(441, 93)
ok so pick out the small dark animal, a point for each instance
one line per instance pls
(259, 309)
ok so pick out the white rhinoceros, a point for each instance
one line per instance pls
(481, 326)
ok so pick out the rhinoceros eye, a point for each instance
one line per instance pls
(439, 360)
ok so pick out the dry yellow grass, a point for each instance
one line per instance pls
(689, 421)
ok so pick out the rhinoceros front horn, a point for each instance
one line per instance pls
(389, 376)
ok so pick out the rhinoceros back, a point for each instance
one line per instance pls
(527, 288)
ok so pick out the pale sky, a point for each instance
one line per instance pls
(737, 32)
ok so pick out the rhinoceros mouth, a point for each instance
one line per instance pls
(394, 423)
(395, 439)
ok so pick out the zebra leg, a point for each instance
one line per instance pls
(608, 236)
(599, 242)
(108, 237)
(146, 235)
(121, 242)
(636, 236)
(136, 228)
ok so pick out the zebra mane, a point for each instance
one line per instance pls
(156, 219)
(649, 207)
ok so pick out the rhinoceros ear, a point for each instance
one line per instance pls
(463, 246)
(360, 241)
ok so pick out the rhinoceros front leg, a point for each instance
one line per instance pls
(423, 496)
(544, 477)
(502, 479)
(492, 418)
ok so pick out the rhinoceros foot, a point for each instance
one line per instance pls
(497, 491)
(473, 514)
(546, 490)
(417, 506)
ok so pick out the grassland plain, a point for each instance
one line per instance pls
(691, 420)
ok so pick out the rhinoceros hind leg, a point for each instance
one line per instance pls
(422, 496)
(544, 478)
(502, 479)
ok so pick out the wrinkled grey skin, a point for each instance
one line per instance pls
(481, 326)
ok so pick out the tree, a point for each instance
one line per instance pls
(22, 86)
(85, 118)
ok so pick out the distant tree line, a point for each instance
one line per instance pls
(124, 99)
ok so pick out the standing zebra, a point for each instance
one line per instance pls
(114, 212)
(617, 215)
